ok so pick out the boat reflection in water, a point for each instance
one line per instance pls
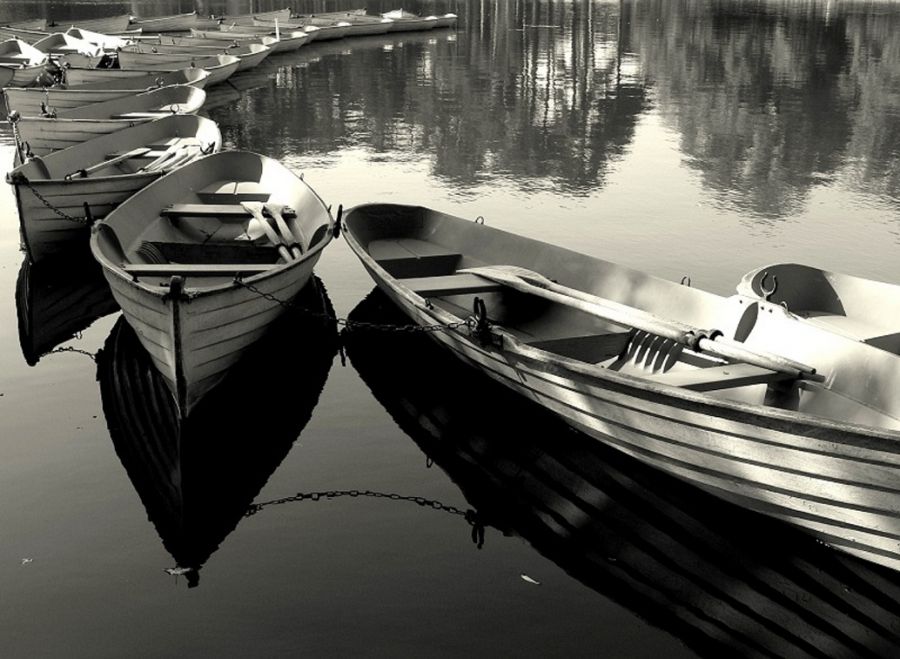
(725, 581)
(56, 299)
(198, 479)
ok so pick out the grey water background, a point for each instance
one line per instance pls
(684, 138)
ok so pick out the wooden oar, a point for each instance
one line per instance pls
(298, 242)
(534, 283)
(255, 208)
(134, 153)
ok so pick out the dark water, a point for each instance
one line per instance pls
(397, 504)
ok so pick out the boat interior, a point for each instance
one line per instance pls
(207, 238)
(433, 256)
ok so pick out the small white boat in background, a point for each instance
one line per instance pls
(109, 43)
(80, 77)
(173, 23)
(60, 194)
(173, 253)
(21, 64)
(110, 25)
(219, 67)
(149, 54)
(405, 21)
(38, 136)
(60, 44)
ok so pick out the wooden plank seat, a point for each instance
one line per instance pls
(213, 210)
(148, 153)
(195, 269)
(231, 251)
(139, 115)
(451, 285)
(720, 377)
(409, 258)
(221, 192)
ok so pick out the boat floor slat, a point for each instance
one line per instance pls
(209, 210)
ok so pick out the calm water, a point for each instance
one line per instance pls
(681, 137)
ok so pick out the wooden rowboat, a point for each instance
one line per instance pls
(56, 299)
(33, 102)
(173, 253)
(21, 64)
(197, 478)
(249, 55)
(736, 395)
(59, 195)
(109, 43)
(356, 25)
(108, 25)
(141, 81)
(60, 44)
(724, 581)
(38, 136)
(220, 67)
(173, 23)
(405, 21)
(36, 24)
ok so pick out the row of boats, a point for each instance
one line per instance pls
(779, 398)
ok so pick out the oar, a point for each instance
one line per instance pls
(534, 283)
(255, 208)
(298, 240)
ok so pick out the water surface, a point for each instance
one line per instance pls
(684, 138)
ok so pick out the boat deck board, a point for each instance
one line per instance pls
(212, 210)
(410, 258)
(194, 269)
(451, 285)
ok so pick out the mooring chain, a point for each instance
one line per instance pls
(77, 351)
(77, 220)
(471, 516)
(354, 324)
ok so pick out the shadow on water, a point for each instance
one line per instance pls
(724, 581)
(198, 480)
(56, 299)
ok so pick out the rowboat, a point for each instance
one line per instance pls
(285, 42)
(321, 31)
(25, 34)
(219, 67)
(60, 44)
(184, 261)
(109, 43)
(38, 136)
(33, 102)
(152, 103)
(173, 23)
(281, 15)
(144, 56)
(197, 478)
(56, 299)
(357, 25)
(405, 21)
(446, 20)
(723, 581)
(21, 64)
(76, 76)
(60, 194)
(108, 25)
(36, 24)
(140, 81)
(777, 414)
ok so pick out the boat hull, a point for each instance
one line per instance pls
(196, 334)
(840, 482)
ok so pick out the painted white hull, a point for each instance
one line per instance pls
(41, 136)
(841, 482)
(220, 67)
(175, 23)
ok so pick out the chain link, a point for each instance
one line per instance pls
(334, 494)
(77, 351)
(77, 220)
(410, 328)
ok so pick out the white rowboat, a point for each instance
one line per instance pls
(60, 194)
(173, 252)
(762, 407)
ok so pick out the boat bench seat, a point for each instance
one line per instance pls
(140, 115)
(450, 285)
(145, 154)
(13, 59)
(213, 210)
(195, 269)
(221, 192)
(408, 257)
(720, 377)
